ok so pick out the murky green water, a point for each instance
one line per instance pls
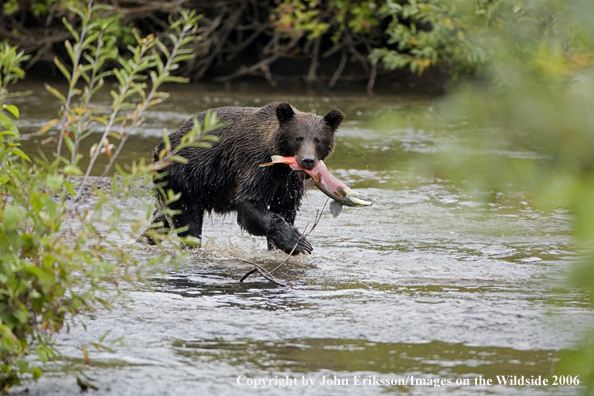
(429, 290)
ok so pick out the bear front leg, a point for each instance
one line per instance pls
(287, 200)
(258, 220)
(283, 235)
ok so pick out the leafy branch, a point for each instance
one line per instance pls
(185, 29)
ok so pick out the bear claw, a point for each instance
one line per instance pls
(286, 237)
(303, 246)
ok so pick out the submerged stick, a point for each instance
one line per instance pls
(248, 273)
(263, 271)
(268, 274)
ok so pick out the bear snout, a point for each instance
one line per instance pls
(308, 162)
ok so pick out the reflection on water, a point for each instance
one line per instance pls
(430, 282)
(341, 357)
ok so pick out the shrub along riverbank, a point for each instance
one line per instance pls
(317, 42)
(60, 256)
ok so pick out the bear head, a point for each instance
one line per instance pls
(306, 136)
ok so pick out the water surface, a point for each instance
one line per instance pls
(430, 286)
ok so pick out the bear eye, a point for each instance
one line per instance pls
(317, 141)
(299, 139)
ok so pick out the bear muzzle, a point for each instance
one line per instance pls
(307, 162)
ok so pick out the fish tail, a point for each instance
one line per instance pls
(277, 159)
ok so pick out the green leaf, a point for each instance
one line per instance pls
(211, 138)
(12, 217)
(12, 109)
(85, 354)
(51, 207)
(70, 50)
(154, 77)
(104, 335)
(45, 276)
(193, 241)
(178, 158)
(163, 48)
(69, 143)
(78, 12)
(73, 170)
(10, 7)
(42, 353)
(89, 40)
(189, 39)
(37, 373)
(20, 153)
(175, 79)
(181, 58)
(55, 92)
(54, 182)
(167, 142)
(71, 29)
(23, 366)
(172, 37)
(63, 69)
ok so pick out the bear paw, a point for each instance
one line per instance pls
(284, 236)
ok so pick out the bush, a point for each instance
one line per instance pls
(422, 34)
(539, 107)
(59, 259)
(352, 39)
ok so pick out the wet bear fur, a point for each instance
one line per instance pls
(227, 177)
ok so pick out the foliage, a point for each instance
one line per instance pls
(41, 8)
(540, 110)
(60, 257)
(427, 33)
(10, 72)
(298, 17)
(393, 34)
(416, 33)
(295, 17)
(93, 47)
(46, 273)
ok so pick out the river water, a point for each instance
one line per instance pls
(431, 290)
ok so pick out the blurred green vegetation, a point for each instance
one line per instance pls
(534, 106)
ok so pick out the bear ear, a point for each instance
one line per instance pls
(284, 112)
(334, 118)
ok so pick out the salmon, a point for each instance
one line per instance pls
(327, 183)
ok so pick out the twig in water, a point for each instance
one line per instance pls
(304, 235)
(248, 274)
(264, 272)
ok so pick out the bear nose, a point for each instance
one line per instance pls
(308, 162)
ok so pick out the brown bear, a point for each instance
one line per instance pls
(228, 177)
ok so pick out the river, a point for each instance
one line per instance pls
(431, 290)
